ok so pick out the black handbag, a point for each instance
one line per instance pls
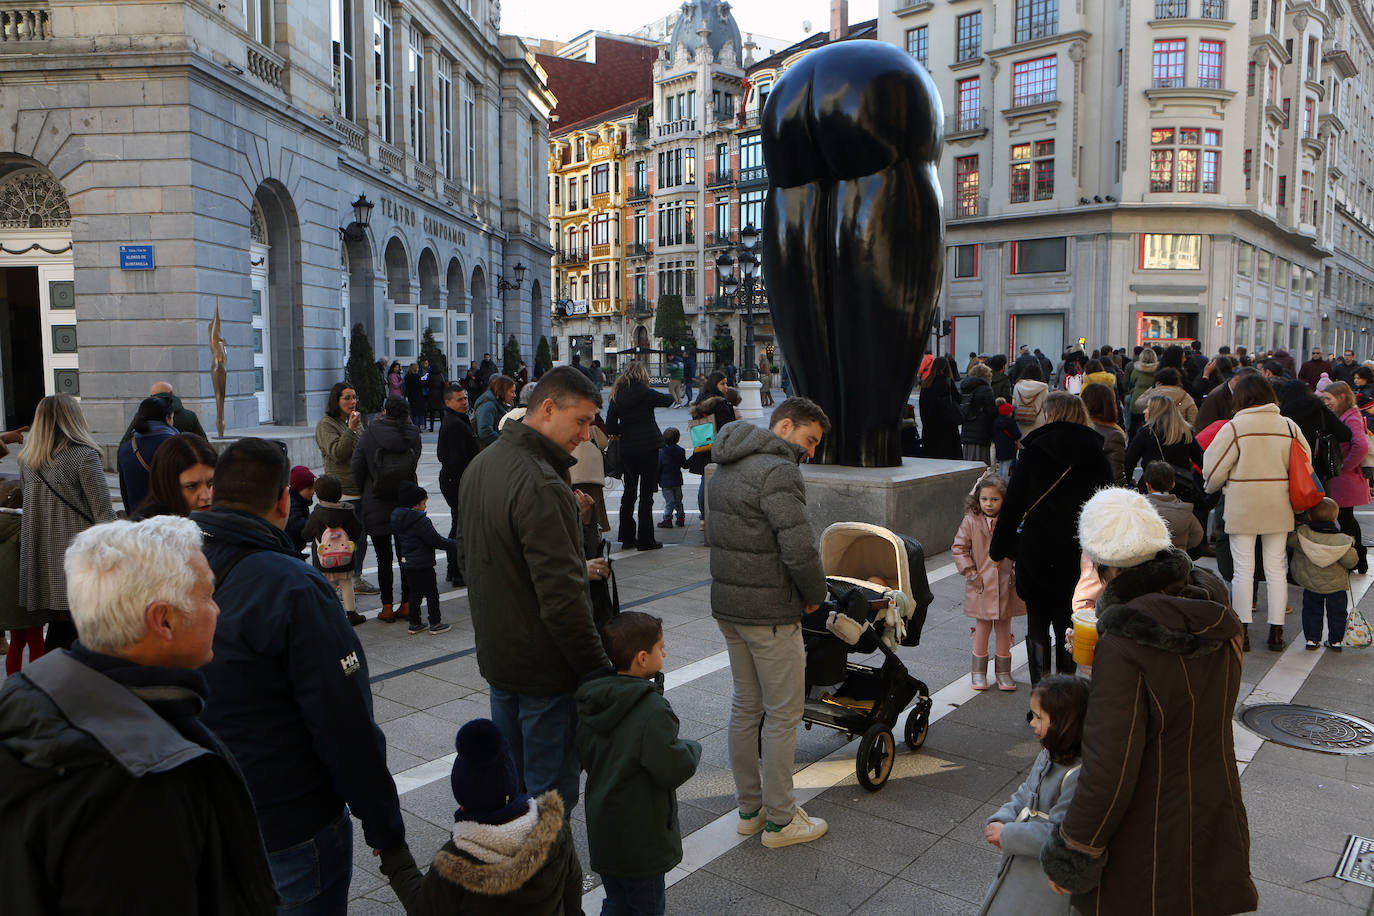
(611, 459)
(605, 594)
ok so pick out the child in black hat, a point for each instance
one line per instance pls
(509, 853)
(416, 541)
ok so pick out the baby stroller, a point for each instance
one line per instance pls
(862, 617)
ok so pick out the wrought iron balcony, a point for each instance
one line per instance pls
(1213, 9)
(1171, 9)
(971, 120)
(721, 179)
(574, 255)
(639, 250)
(753, 175)
(638, 193)
(721, 239)
(968, 206)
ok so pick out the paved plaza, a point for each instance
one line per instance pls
(916, 846)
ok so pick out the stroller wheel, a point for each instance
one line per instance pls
(917, 727)
(877, 750)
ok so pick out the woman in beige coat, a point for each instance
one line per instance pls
(1249, 460)
(1028, 399)
(1169, 384)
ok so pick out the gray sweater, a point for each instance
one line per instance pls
(764, 562)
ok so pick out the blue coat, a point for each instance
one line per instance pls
(416, 539)
(289, 691)
(671, 460)
(133, 476)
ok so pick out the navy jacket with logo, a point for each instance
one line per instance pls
(289, 691)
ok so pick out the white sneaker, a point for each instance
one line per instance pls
(801, 829)
(750, 824)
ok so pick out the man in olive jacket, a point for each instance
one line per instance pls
(520, 548)
(765, 573)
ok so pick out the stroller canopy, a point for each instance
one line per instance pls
(858, 551)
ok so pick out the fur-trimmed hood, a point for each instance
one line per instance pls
(498, 879)
(1168, 604)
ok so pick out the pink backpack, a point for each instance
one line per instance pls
(334, 550)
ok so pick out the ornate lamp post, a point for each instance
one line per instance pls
(746, 290)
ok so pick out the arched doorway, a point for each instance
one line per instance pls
(400, 311)
(539, 313)
(431, 316)
(642, 341)
(38, 339)
(280, 390)
(458, 352)
(360, 283)
(481, 317)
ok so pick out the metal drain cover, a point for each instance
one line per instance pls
(1310, 728)
(1357, 862)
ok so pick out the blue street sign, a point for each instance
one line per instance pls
(135, 257)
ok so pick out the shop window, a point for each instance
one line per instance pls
(1039, 256)
(1245, 259)
(1160, 251)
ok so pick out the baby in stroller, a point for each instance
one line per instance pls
(879, 596)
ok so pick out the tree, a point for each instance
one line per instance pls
(670, 323)
(725, 351)
(542, 357)
(510, 358)
(362, 372)
(430, 350)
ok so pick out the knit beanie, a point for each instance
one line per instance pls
(1118, 527)
(1004, 410)
(410, 494)
(301, 477)
(485, 783)
(1323, 383)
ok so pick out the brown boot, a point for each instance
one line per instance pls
(403, 610)
(387, 615)
(355, 618)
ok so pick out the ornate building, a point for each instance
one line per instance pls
(158, 163)
(1142, 172)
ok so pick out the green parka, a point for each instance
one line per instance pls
(627, 739)
(519, 544)
(1322, 560)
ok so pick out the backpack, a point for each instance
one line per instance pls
(1025, 413)
(392, 469)
(1073, 384)
(333, 549)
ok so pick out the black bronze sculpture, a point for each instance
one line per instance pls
(853, 240)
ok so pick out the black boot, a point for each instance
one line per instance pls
(1276, 637)
(1245, 645)
(1063, 661)
(1037, 660)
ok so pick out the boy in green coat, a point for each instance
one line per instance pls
(627, 738)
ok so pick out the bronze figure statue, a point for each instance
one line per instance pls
(853, 239)
(217, 370)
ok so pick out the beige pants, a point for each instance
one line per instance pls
(343, 584)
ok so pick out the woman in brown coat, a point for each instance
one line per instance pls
(1157, 824)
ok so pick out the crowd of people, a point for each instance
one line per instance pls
(224, 601)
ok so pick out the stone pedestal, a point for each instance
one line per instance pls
(924, 498)
(751, 401)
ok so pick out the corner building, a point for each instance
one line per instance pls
(1144, 172)
(162, 161)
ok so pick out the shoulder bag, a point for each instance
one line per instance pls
(702, 432)
(1022, 525)
(1304, 489)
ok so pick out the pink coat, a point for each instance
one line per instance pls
(1349, 488)
(991, 595)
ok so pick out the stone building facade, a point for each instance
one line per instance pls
(1136, 173)
(161, 162)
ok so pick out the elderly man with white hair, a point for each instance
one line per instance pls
(114, 798)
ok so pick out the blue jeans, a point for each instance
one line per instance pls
(672, 503)
(313, 877)
(634, 896)
(541, 732)
(1312, 607)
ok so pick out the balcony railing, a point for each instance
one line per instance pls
(969, 49)
(681, 125)
(640, 250)
(1042, 27)
(638, 307)
(1033, 98)
(266, 66)
(757, 174)
(722, 179)
(721, 239)
(1171, 9)
(968, 206)
(975, 119)
(391, 157)
(719, 304)
(574, 255)
(355, 138)
(1209, 82)
(1167, 82)
(425, 174)
(638, 193)
(25, 23)
(1213, 9)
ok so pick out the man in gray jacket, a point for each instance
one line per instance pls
(765, 573)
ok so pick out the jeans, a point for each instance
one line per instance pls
(422, 584)
(768, 667)
(641, 480)
(541, 732)
(1313, 604)
(313, 877)
(672, 503)
(1273, 549)
(1004, 468)
(634, 896)
(360, 552)
(385, 572)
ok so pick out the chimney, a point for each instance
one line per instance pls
(839, 19)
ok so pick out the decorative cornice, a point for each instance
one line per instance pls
(1035, 44)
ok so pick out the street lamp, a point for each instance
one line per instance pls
(503, 286)
(362, 216)
(746, 286)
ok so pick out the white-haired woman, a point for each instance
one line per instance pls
(64, 494)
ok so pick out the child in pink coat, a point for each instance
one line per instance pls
(989, 588)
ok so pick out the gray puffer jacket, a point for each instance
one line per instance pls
(764, 562)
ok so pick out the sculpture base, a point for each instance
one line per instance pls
(751, 401)
(923, 498)
(299, 440)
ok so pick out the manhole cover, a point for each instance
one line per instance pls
(1310, 729)
(1357, 862)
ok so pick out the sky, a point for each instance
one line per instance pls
(563, 20)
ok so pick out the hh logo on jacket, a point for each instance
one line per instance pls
(350, 664)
